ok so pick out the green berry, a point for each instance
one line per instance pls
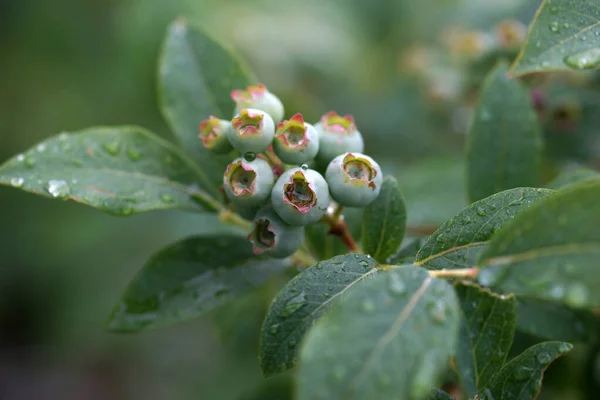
(272, 236)
(252, 131)
(248, 183)
(354, 179)
(337, 135)
(296, 142)
(258, 98)
(300, 196)
(214, 133)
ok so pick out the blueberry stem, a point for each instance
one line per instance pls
(339, 228)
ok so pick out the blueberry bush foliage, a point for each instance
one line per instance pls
(373, 310)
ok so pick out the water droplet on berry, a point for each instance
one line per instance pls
(250, 156)
(304, 167)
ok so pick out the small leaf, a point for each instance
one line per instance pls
(549, 251)
(384, 222)
(390, 336)
(563, 35)
(459, 242)
(521, 377)
(118, 170)
(574, 176)
(302, 302)
(504, 142)
(486, 334)
(196, 77)
(189, 278)
(555, 321)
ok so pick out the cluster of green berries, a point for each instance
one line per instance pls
(272, 184)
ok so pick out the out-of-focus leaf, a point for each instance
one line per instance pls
(550, 250)
(189, 278)
(459, 242)
(389, 337)
(504, 142)
(574, 176)
(302, 302)
(118, 170)
(384, 222)
(564, 34)
(486, 335)
(196, 77)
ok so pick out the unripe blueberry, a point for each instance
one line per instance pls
(354, 179)
(252, 131)
(296, 142)
(258, 98)
(300, 196)
(272, 236)
(337, 135)
(214, 133)
(248, 183)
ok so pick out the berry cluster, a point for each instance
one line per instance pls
(272, 184)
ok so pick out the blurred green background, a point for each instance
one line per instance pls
(67, 65)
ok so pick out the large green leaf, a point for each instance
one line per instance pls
(189, 278)
(119, 170)
(302, 302)
(384, 222)
(486, 334)
(550, 251)
(389, 337)
(196, 77)
(564, 34)
(504, 142)
(459, 242)
(521, 377)
(555, 321)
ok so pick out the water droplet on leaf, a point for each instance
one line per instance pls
(587, 59)
(523, 373)
(489, 276)
(41, 148)
(368, 306)
(134, 154)
(544, 358)
(553, 27)
(273, 329)
(294, 304)
(17, 182)
(481, 212)
(577, 295)
(58, 188)
(20, 157)
(395, 284)
(167, 198)
(113, 148)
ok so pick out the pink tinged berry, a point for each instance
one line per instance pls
(354, 179)
(252, 131)
(300, 196)
(258, 97)
(337, 134)
(296, 142)
(248, 183)
(214, 134)
(271, 236)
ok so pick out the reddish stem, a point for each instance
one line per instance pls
(338, 227)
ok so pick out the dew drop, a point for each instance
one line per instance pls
(304, 167)
(522, 373)
(319, 266)
(481, 212)
(41, 148)
(557, 292)
(113, 148)
(250, 156)
(543, 358)
(294, 304)
(17, 182)
(564, 347)
(437, 311)
(126, 211)
(58, 188)
(29, 162)
(587, 59)
(273, 329)
(466, 220)
(134, 154)
(167, 198)
(395, 284)
(554, 27)
(489, 276)
(368, 306)
(364, 264)
(21, 158)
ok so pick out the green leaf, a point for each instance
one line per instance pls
(302, 302)
(549, 251)
(189, 278)
(504, 142)
(564, 34)
(196, 77)
(555, 321)
(118, 170)
(389, 337)
(521, 377)
(486, 335)
(384, 222)
(408, 252)
(422, 184)
(459, 242)
(574, 176)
